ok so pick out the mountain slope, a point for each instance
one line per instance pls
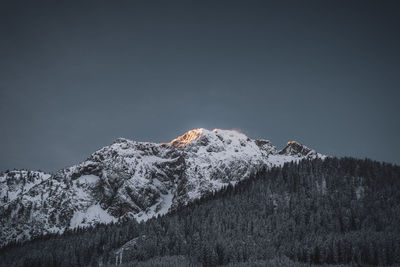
(334, 211)
(136, 180)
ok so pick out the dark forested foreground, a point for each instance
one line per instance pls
(336, 211)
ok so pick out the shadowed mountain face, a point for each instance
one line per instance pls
(295, 149)
(138, 180)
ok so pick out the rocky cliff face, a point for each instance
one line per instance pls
(131, 179)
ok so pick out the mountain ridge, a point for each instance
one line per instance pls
(130, 179)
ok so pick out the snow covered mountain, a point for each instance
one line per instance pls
(129, 179)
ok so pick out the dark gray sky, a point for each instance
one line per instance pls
(76, 75)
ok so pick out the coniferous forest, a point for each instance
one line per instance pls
(320, 212)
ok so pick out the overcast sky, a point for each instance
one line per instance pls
(74, 76)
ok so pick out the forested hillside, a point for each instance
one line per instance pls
(332, 211)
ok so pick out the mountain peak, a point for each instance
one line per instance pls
(188, 137)
(293, 148)
(121, 140)
(203, 135)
